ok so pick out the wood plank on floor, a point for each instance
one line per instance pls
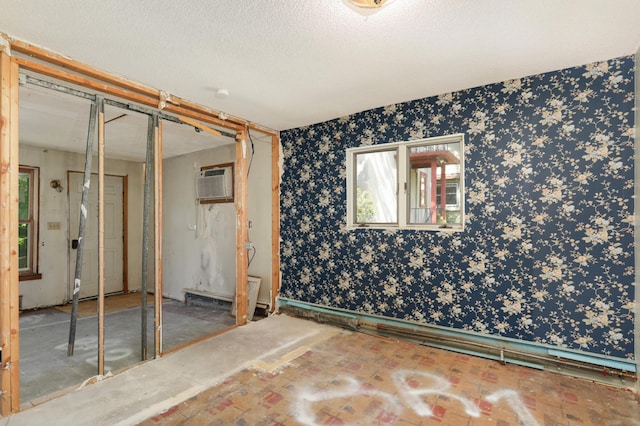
(114, 303)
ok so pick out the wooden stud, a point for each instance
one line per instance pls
(200, 126)
(100, 236)
(9, 196)
(158, 237)
(275, 221)
(14, 307)
(242, 230)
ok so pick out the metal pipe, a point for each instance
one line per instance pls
(425, 336)
(83, 219)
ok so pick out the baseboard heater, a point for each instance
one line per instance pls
(216, 296)
(612, 371)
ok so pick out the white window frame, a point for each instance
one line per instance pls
(404, 169)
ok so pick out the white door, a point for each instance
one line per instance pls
(113, 235)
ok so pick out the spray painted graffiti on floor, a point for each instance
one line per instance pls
(412, 389)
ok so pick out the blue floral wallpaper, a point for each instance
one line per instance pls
(547, 251)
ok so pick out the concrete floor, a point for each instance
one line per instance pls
(46, 370)
(147, 389)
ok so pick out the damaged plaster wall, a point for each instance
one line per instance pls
(199, 240)
(53, 245)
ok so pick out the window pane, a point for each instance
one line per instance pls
(434, 174)
(23, 246)
(24, 191)
(377, 187)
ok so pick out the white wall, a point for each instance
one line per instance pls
(53, 288)
(205, 258)
(260, 217)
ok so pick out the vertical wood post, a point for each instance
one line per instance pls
(91, 135)
(9, 199)
(432, 203)
(146, 213)
(275, 221)
(100, 104)
(158, 237)
(242, 229)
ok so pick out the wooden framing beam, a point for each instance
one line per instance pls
(275, 221)
(100, 104)
(97, 77)
(242, 229)
(120, 93)
(9, 196)
(157, 176)
(93, 73)
(69, 64)
(200, 126)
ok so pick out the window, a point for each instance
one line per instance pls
(27, 222)
(452, 195)
(414, 184)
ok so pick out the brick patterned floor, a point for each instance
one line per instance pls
(359, 379)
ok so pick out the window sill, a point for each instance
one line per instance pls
(30, 276)
(431, 228)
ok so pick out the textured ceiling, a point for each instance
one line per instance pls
(289, 63)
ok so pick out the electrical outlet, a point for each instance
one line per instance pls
(54, 226)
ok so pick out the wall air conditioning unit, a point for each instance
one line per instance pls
(215, 183)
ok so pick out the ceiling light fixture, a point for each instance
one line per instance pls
(367, 7)
(369, 4)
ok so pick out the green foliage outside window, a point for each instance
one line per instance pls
(23, 215)
(366, 212)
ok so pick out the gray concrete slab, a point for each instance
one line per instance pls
(45, 368)
(150, 388)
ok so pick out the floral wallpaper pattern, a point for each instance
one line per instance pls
(547, 251)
